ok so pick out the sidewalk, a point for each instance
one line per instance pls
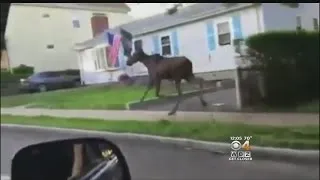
(276, 119)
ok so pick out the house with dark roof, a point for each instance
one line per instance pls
(207, 32)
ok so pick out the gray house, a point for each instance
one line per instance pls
(205, 32)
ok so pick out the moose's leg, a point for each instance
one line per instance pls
(175, 108)
(158, 86)
(149, 87)
(198, 80)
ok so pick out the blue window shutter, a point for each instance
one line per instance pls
(237, 29)
(156, 44)
(175, 43)
(211, 36)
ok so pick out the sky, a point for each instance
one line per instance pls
(148, 9)
(145, 9)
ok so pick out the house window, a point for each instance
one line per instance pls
(137, 44)
(45, 15)
(224, 35)
(100, 58)
(298, 23)
(315, 24)
(76, 23)
(99, 23)
(50, 46)
(166, 46)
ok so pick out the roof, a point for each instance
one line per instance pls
(188, 14)
(117, 5)
(85, 6)
(100, 39)
(184, 15)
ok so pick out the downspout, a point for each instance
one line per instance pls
(8, 57)
(260, 30)
(258, 15)
(80, 63)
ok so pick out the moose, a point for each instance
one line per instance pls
(170, 68)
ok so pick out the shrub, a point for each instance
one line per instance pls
(23, 69)
(7, 79)
(125, 79)
(290, 63)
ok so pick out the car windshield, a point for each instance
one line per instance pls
(189, 91)
(44, 74)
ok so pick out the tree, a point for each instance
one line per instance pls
(175, 8)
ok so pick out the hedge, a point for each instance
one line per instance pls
(18, 72)
(290, 63)
(23, 69)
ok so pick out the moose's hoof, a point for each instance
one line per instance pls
(172, 113)
(141, 100)
(204, 103)
(161, 96)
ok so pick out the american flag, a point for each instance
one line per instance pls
(114, 50)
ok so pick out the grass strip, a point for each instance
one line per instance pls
(304, 137)
(79, 98)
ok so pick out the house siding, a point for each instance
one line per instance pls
(28, 33)
(279, 17)
(4, 60)
(193, 41)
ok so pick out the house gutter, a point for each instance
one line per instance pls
(74, 6)
(205, 15)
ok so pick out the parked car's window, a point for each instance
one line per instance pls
(37, 75)
(47, 74)
(53, 74)
(72, 72)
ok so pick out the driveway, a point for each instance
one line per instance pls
(157, 161)
(220, 100)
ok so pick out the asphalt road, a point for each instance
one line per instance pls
(156, 161)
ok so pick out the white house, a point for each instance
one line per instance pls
(42, 34)
(94, 64)
(205, 33)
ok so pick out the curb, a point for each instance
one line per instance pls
(266, 153)
(137, 105)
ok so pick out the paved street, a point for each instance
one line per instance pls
(155, 161)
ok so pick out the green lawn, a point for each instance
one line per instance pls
(305, 137)
(80, 98)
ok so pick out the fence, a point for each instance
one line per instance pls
(251, 86)
(249, 83)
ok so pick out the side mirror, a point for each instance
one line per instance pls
(72, 159)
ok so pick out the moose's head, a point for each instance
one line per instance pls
(137, 56)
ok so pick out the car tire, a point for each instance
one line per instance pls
(42, 88)
(76, 84)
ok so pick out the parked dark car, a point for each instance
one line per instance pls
(51, 80)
